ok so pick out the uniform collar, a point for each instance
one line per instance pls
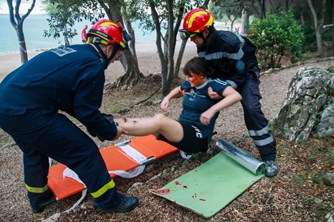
(203, 84)
(211, 38)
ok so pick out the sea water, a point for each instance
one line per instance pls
(34, 27)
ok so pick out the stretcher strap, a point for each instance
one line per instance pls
(130, 152)
(185, 155)
(83, 195)
(68, 173)
(122, 173)
(133, 154)
(128, 174)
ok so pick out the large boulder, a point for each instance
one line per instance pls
(308, 106)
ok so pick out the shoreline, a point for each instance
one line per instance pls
(148, 59)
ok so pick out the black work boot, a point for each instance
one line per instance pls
(122, 204)
(271, 169)
(38, 201)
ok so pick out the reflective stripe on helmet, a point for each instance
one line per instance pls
(198, 20)
(36, 189)
(107, 32)
(108, 23)
(103, 189)
(195, 15)
(113, 24)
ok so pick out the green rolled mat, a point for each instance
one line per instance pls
(210, 187)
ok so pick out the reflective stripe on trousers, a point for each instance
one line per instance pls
(255, 120)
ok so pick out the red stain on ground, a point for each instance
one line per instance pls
(177, 183)
(185, 187)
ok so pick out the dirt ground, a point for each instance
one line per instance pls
(291, 196)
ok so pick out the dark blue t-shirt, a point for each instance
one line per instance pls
(196, 101)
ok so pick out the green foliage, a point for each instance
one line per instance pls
(227, 9)
(140, 10)
(310, 39)
(277, 36)
(64, 13)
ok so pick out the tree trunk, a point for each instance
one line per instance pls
(18, 25)
(183, 44)
(163, 63)
(179, 58)
(66, 39)
(132, 44)
(333, 32)
(129, 62)
(132, 75)
(287, 5)
(232, 24)
(170, 47)
(245, 21)
(317, 27)
(262, 4)
(22, 43)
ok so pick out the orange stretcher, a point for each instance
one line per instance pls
(115, 158)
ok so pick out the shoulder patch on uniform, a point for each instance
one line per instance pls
(240, 65)
(62, 51)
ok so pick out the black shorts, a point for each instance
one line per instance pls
(192, 141)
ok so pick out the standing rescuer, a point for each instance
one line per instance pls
(68, 79)
(232, 58)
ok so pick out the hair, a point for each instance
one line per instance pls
(197, 66)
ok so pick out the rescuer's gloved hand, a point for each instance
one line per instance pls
(108, 117)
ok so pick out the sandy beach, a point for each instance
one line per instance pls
(148, 58)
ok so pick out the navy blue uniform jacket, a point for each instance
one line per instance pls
(70, 79)
(229, 56)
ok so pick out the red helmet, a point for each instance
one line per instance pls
(107, 32)
(196, 21)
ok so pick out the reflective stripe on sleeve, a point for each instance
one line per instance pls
(103, 189)
(218, 55)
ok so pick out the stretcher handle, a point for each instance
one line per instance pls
(48, 202)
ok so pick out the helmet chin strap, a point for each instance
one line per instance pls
(203, 37)
(107, 60)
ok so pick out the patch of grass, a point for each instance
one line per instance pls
(300, 178)
(315, 156)
(283, 150)
(317, 207)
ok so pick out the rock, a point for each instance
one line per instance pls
(330, 217)
(325, 127)
(53, 218)
(331, 69)
(328, 179)
(307, 98)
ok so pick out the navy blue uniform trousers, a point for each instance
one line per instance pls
(255, 120)
(62, 141)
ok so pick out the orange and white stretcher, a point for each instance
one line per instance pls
(123, 157)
